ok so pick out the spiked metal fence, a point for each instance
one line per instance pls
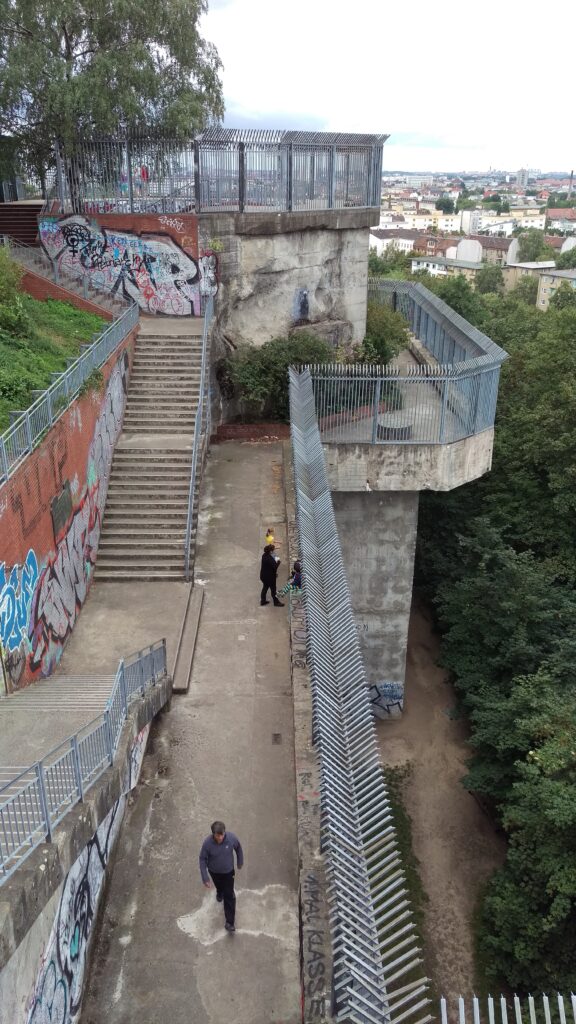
(375, 951)
(221, 170)
(451, 396)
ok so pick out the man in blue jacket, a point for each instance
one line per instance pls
(217, 861)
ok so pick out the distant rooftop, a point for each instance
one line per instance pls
(568, 275)
(541, 265)
(444, 261)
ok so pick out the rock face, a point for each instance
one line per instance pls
(276, 275)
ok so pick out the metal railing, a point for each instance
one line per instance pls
(35, 801)
(515, 1010)
(36, 259)
(30, 425)
(222, 169)
(375, 953)
(201, 434)
(452, 397)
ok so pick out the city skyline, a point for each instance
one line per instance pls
(453, 94)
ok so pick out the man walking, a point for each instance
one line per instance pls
(268, 572)
(217, 860)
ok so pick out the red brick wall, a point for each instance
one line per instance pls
(41, 288)
(46, 566)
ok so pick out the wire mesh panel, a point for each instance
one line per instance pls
(222, 169)
(374, 947)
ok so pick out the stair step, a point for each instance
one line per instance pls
(127, 542)
(111, 574)
(127, 506)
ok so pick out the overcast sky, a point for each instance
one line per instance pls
(458, 86)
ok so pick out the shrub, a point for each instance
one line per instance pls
(258, 377)
(386, 334)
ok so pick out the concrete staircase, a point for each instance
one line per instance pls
(144, 525)
(20, 220)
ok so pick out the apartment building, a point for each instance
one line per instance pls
(549, 283)
(514, 272)
(441, 266)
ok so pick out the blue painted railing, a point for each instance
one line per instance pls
(35, 801)
(30, 426)
(201, 433)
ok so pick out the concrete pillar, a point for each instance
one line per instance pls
(377, 532)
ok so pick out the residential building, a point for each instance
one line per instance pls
(522, 178)
(441, 266)
(514, 272)
(561, 220)
(474, 221)
(549, 283)
(418, 180)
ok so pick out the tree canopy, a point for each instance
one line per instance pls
(69, 70)
(489, 279)
(532, 247)
(445, 204)
(498, 560)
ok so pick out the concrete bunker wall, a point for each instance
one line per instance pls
(50, 520)
(278, 271)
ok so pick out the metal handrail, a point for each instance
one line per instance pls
(40, 795)
(30, 425)
(51, 270)
(200, 434)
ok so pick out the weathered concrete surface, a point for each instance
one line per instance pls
(378, 538)
(264, 271)
(285, 223)
(408, 467)
(226, 750)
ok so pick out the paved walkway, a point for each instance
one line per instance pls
(224, 751)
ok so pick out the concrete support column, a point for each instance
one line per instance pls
(377, 532)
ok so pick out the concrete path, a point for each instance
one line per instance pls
(225, 751)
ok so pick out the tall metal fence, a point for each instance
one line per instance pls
(450, 397)
(33, 802)
(201, 435)
(375, 952)
(30, 426)
(221, 170)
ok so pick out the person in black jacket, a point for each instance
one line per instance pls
(268, 571)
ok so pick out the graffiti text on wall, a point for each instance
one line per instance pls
(39, 605)
(153, 270)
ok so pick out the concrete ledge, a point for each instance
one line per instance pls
(25, 895)
(283, 223)
(408, 467)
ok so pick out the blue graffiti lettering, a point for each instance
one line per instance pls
(16, 595)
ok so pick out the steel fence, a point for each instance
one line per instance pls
(543, 1009)
(435, 403)
(221, 169)
(29, 427)
(35, 801)
(375, 952)
(202, 422)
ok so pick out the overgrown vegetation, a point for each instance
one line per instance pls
(498, 560)
(36, 339)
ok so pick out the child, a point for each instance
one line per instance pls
(295, 581)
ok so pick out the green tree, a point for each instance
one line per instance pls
(69, 70)
(564, 297)
(458, 294)
(526, 290)
(566, 260)
(445, 204)
(532, 246)
(489, 279)
(386, 333)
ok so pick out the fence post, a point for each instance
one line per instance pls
(290, 178)
(43, 800)
(28, 431)
(197, 176)
(331, 177)
(164, 662)
(123, 693)
(443, 412)
(129, 173)
(109, 734)
(4, 458)
(376, 410)
(77, 767)
(241, 176)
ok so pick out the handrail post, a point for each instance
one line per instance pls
(376, 410)
(28, 430)
(122, 681)
(241, 176)
(77, 767)
(4, 459)
(39, 769)
(109, 734)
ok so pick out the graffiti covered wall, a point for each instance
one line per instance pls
(43, 983)
(50, 518)
(153, 260)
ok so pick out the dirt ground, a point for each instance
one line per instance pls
(453, 839)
